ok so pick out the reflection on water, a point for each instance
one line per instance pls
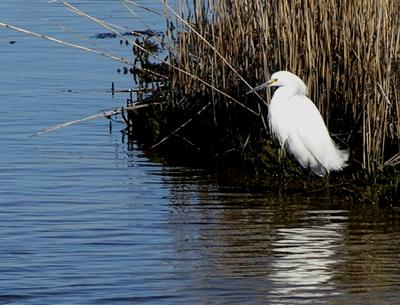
(305, 258)
(249, 247)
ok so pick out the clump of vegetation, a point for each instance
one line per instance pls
(348, 53)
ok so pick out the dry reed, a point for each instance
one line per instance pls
(348, 52)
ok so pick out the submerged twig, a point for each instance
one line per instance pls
(65, 43)
(174, 132)
(130, 90)
(104, 114)
(330, 186)
(79, 47)
(144, 8)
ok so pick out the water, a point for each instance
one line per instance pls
(87, 219)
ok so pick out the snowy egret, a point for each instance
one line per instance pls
(297, 124)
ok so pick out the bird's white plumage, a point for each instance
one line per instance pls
(297, 124)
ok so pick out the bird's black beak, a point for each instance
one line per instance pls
(262, 86)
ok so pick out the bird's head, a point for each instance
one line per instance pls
(284, 78)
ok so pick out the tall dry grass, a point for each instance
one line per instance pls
(348, 52)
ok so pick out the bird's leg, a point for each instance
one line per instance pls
(281, 153)
(309, 182)
(281, 165)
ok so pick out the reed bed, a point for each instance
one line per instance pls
(348, 53)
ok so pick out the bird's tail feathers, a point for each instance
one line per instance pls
(338, 159)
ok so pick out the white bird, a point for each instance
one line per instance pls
(298, 125)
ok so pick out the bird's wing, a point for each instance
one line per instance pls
(310, 128)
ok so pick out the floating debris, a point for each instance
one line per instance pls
(148, 33)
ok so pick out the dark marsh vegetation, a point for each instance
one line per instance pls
(348, 53)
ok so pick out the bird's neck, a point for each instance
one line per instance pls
(284, 93)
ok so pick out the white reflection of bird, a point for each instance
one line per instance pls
(296, 122)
